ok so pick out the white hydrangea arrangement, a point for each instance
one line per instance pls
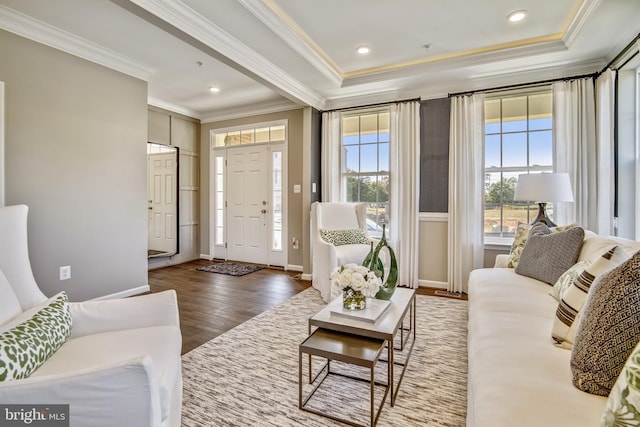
(358, 278)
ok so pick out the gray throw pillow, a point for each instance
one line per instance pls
(608, 330)
(547, 255)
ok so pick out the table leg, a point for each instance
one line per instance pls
(390, 367)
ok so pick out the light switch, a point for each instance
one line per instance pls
(296, 188)
(313, 187)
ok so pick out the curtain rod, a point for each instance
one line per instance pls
(542, 82)
(522, 85)
(621, 54)
(378, 104)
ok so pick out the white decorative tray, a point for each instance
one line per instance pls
(375, 309)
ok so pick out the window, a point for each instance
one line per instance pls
(253, 135)
(518, 140)
(365, 164)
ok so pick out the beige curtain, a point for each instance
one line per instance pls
(330, 161)
(605, 127)
(574, 144)
(405, 188)
(466, 179)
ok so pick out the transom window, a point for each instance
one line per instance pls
(518, 140)
(365, 164)
(257, 135)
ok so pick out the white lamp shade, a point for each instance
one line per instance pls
(544, 187)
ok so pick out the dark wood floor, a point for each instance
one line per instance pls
(210, 304)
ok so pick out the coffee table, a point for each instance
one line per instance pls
(403, 302)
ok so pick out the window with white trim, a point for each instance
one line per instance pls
(365, 164)
(518, 140)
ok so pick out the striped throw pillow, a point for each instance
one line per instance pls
(565, 323)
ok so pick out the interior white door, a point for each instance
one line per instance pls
(162, 171)
(247, 204)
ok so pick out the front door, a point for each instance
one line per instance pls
(162, 170)
(247, 204)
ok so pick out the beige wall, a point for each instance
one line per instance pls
(296, 210)
(76, 153)
(432, 252)
(173, 129)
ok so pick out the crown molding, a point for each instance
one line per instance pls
(459, 60)
(240, 56)
(173, 107)
(566, 67)
(249, 110)
(583, 13)
(284, 27)
(25, 26)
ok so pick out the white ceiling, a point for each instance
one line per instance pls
(274, 55)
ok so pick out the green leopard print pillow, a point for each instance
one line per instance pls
(345, 237)
(623, 404)
(28, 345)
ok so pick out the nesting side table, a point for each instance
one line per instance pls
(347, 348)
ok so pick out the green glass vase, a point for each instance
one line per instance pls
(373, 262)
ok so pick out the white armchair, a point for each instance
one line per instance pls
(325, 256)
(121, 364)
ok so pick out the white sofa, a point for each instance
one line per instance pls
(121, 364)
(516, 376)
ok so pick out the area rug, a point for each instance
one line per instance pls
(249, 375)
(230, 268)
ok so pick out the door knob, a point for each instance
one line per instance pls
(263, 211)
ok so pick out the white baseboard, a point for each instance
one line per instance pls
(124, 294)
(306, 277)
(433, 284)
(206, 256)
(292, 267)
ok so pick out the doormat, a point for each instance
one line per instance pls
(230, 268)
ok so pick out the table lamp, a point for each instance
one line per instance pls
(543, 188)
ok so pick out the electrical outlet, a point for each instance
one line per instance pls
(65, 272)
(294, 243)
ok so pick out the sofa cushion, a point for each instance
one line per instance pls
(522, 234)
(566, 279)
(27, 345)
(608, 329)
(565, 323)
(94, 352)
(345, 237)
(516, 377)
(547, 255)
(9, 304)
(623, 404)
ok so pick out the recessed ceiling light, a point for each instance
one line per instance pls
(362, 50)
(214, 89)
(518, 15)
